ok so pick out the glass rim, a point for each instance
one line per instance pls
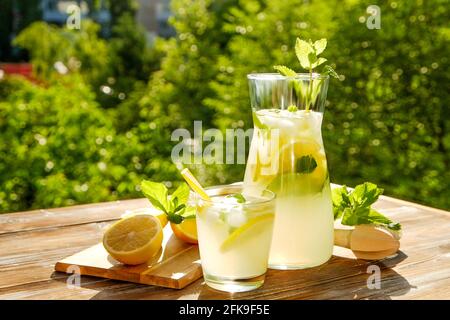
(227, 190)
(277, 76)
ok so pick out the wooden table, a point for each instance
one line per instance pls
(31, 242)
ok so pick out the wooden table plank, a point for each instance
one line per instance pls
(58, 217)
(31, 242)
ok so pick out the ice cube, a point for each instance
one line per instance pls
(236, 218)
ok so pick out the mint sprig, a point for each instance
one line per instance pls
(354, 207)
(307, 53)
(330, 71)
(174, 206)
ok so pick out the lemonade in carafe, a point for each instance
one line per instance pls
(287, 156)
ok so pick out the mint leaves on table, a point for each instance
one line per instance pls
(174, 206)
(354, 207)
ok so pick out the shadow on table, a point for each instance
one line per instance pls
(340, 278)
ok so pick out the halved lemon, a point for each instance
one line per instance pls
(256, 224)
(162, 216)
(134, 240)
(186, 230)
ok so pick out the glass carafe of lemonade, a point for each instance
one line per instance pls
(287, 156)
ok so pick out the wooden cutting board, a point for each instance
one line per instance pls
(175, 266)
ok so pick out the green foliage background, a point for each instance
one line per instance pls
(93, 133)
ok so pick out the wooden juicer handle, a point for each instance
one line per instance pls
(368, 242)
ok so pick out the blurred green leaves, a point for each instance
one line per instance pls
(93, 133)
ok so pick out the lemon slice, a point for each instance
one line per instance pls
(234, 237)
(289, 181)
(290, 153)
(134, 240)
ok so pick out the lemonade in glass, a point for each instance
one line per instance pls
(234, 236)
(287, 156)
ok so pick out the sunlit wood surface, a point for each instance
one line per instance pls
(32, 242)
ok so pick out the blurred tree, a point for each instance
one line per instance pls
(76, 51)
(113, 69)
(131, 62)
(388, 121)
(176, 93)
(55, 146)
(122, 7)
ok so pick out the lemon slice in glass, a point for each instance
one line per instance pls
(253, 225)
(294, 177)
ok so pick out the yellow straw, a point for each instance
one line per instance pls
(194, 184)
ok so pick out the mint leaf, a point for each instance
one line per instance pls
(175, 218)
(285, 71)
(181, 194)
(320, 45)
(312, 58)
(355, 216)
(376, 217)
(174, 206)
(306, 164)
(156, 193)
(302, 50)
(292, 108)
(319, 62)
(238, 196)
(365, 194)
(179, 209)
(189, 213)
(330, 71)
(340, 201)
(355, 207)
(395, 226)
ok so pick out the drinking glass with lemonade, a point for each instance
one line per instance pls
(234, 237)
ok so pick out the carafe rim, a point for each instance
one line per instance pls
(277, 76)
